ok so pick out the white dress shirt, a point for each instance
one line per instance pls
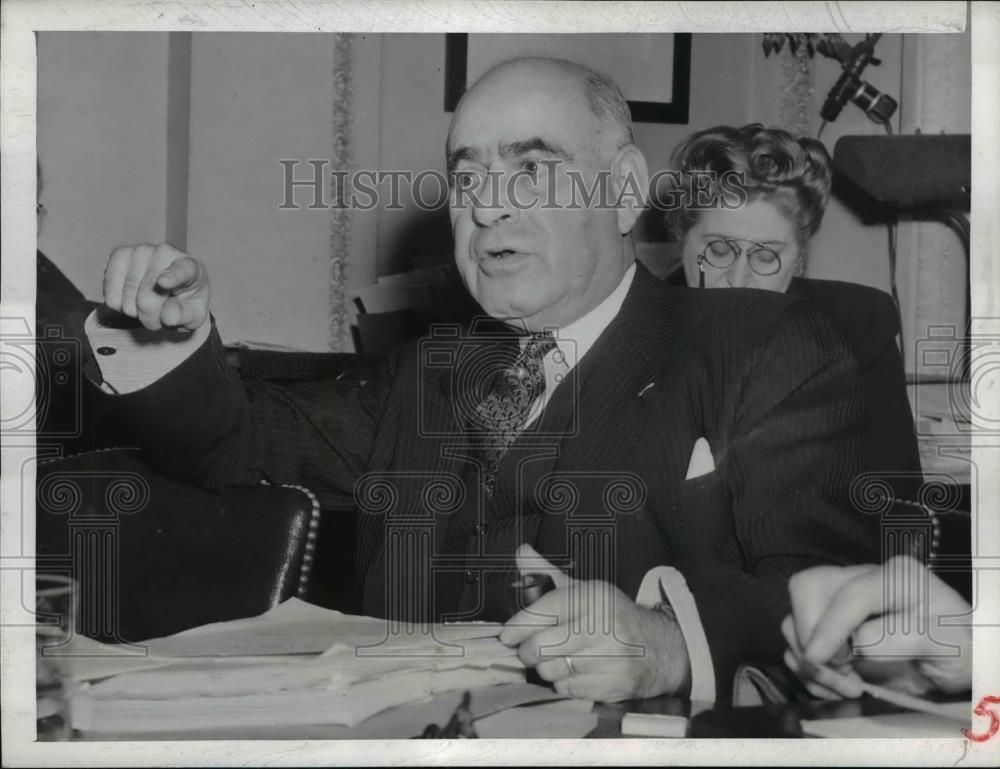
(575, 340)
(130, 359)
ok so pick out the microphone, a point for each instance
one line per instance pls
(850, 87)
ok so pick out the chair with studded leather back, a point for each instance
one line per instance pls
(159, 554)
(153, 556)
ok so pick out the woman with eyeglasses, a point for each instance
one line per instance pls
(760, 196)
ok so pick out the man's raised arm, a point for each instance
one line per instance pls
(193, 415)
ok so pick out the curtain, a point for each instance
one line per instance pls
(796, 98)
(340, 215)
(938, 290)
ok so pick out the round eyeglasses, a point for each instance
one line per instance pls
(723, 253)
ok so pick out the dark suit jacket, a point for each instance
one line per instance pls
(598, 484)
(866, 318)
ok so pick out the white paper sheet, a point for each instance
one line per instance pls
(399, 722)
(892, 726)
(297, 627)
(84, 659)
(367, 665)
(347, 706)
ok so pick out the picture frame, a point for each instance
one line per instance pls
(674, 108)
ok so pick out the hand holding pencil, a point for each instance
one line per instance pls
(894, 625)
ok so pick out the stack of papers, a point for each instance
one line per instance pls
(944, 426)
(296, 664)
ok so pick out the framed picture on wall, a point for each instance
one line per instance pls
(653, 70)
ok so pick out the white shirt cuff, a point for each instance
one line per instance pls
(665, 583)
(133, 358)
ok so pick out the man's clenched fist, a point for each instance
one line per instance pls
(159, 285)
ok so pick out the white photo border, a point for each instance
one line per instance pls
(22, 18)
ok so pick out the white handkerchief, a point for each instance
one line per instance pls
(701, 462)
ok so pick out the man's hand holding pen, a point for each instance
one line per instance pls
(593, 642)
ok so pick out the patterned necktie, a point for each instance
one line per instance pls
(505, 409)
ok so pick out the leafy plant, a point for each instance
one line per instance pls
(829, 44)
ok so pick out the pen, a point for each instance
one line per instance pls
(526, 589)
(907, 701)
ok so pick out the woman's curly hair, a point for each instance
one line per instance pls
(793, 174)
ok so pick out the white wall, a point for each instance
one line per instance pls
(414, 126)
(102, 145)
(255, 98)
(412, 137)
(845, 248)
(934, 266)
(732, 83)
(113, 156)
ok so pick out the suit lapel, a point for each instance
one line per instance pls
(605, 394)
(642, 344)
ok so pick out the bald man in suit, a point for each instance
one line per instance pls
(668, 457)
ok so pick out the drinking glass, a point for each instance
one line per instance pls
(55, 622)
